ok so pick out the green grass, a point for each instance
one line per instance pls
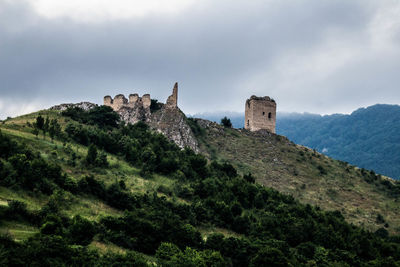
(309, 176)
(275, 162)
(16, 230)
(86, 206)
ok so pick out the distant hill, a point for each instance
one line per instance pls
(368, 137)
(237, 118)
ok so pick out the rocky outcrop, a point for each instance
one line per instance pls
(83, 105)
(168, 120)
(171, 122)
(135, 114)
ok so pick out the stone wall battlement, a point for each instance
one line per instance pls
(120, 101)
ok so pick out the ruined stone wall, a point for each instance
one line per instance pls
(172, 101)
(133, 99)
(260, 113)
(168, 120)
(119, 102)
(146, 101)
(132, 111)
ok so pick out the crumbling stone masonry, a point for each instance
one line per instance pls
(260, 114)
(172, 101)
(169, 120)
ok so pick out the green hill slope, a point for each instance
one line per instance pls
(309, 176)
(105, 194)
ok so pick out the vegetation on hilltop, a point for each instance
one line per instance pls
(163, 224)
(309, 176)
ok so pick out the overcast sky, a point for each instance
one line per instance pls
(310, 56)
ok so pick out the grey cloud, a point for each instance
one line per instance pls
(213, 50)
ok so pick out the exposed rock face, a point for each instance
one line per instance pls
(169, 120)
(172, 123)
(83, 105)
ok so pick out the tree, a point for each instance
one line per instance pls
(46, 126)
(101, 159)
(226, 122)
(81, 231)
(40, 122)
(54, 129)
(269, 256)
(91, 155)
(249, 178)
(35, 130)
(154, 106)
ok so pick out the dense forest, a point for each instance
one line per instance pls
(368, 137)
(163, 227)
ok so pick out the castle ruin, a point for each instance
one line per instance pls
(120, 101)
(260, 114)
(166, 118)
(137, 108)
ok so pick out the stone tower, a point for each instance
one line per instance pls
(260, 114)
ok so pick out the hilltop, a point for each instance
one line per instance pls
(309, 176)
(95, 191)
(367, 138)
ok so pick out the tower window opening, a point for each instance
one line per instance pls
(263, 113)
(248, 122)
(269, 115)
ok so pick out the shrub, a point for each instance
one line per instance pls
(226, 122)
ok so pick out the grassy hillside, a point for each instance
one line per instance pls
(309, 176)
(102, 194)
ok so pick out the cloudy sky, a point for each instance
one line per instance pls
(311, 56)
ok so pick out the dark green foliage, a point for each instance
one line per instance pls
(382, 232)
(91, 155)
(154, 106)
(170, 255)
(94, 158)
(379, 218)
(226, 122)
(8, 147)
(274, 229)
(152, 152)
(40, 122)
(54, 250)
(31, 172)
(54, 129)
(81, 231)
(249, 178)
(269, 256)
(322, 170)
(18, 211)
(46, 126)
(102, 116)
